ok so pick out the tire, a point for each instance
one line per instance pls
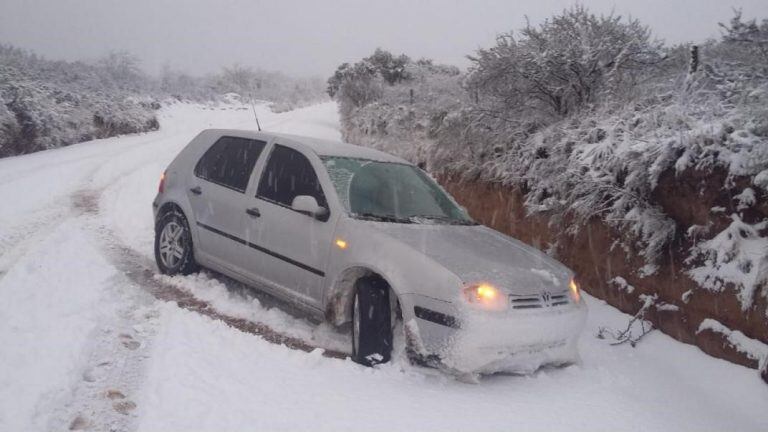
(173, 236)
(371, 322)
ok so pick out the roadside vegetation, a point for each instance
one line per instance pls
(46, 104)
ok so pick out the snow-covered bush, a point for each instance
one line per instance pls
(9, 128)
(736, 257)
(405, 118)
(48, 104)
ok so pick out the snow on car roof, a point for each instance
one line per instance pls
(320, 146)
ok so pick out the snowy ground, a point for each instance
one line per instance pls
(88, 344)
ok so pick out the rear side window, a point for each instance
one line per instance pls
(287, 175)
(229, 162)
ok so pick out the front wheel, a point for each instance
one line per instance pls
(371, 322)
(173, 245)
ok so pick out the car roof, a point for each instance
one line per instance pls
(321, 147)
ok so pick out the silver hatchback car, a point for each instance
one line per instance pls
(354, 235)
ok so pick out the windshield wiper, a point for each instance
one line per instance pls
(445, 219)
(382, 218)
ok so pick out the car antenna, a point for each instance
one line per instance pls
(253, 106)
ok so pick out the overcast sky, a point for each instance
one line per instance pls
(312, 37)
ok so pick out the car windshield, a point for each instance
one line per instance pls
(392, 192)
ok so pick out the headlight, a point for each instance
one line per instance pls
(486, 296)
(573, 289)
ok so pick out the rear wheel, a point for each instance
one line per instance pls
(371, 322)
(173, 245)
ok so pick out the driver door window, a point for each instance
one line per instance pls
(287, 175)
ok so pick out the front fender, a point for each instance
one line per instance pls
(405, 269)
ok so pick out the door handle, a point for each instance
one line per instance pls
(196, 190)
(254, 212)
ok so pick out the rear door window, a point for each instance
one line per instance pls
(230, 161)
(287, 175)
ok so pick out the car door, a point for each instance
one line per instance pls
(290, 248)
(217, 193)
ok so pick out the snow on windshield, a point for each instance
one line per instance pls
(341, 176)
(391, 190)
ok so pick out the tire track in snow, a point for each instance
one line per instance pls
(16, 240)
(136, 268)
(133, 266)
(20, 238)
(114, 371)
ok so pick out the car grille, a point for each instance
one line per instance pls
(537, 301)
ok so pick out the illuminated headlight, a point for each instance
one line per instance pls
(486, 296)
(573, 289)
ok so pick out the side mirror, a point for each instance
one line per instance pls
(308, 205)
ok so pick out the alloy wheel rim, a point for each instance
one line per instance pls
(171, 244)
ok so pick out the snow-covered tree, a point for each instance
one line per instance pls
(381, 64)
(749, 35)
(566, 63)
(391, 68)
(124, 69)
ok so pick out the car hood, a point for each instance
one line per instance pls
(480, 254)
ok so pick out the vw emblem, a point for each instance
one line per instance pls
(546, 298)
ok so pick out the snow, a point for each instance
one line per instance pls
(546, 275)
(622, 284)
(667, 307)
(50, 307)
(686, 297)
(204, 376)
(753, 348)
(761, 180)
(734, 257)
(82, 344)
(243, 304)
(745, 199)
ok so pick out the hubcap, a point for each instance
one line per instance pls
(171, 244)
(356, 325)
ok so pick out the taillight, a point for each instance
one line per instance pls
(161, 187)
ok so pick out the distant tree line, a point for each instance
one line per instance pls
(47, 104)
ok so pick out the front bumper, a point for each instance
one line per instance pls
(474, 341)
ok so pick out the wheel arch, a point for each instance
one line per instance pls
(168, 207)
(171, 205)
(339, 306)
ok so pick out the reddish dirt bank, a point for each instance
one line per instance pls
(687, 199)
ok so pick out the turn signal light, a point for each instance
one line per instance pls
(574, 290)
(161, 186)
(341, 244)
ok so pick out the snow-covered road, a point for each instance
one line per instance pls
(85, 344)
